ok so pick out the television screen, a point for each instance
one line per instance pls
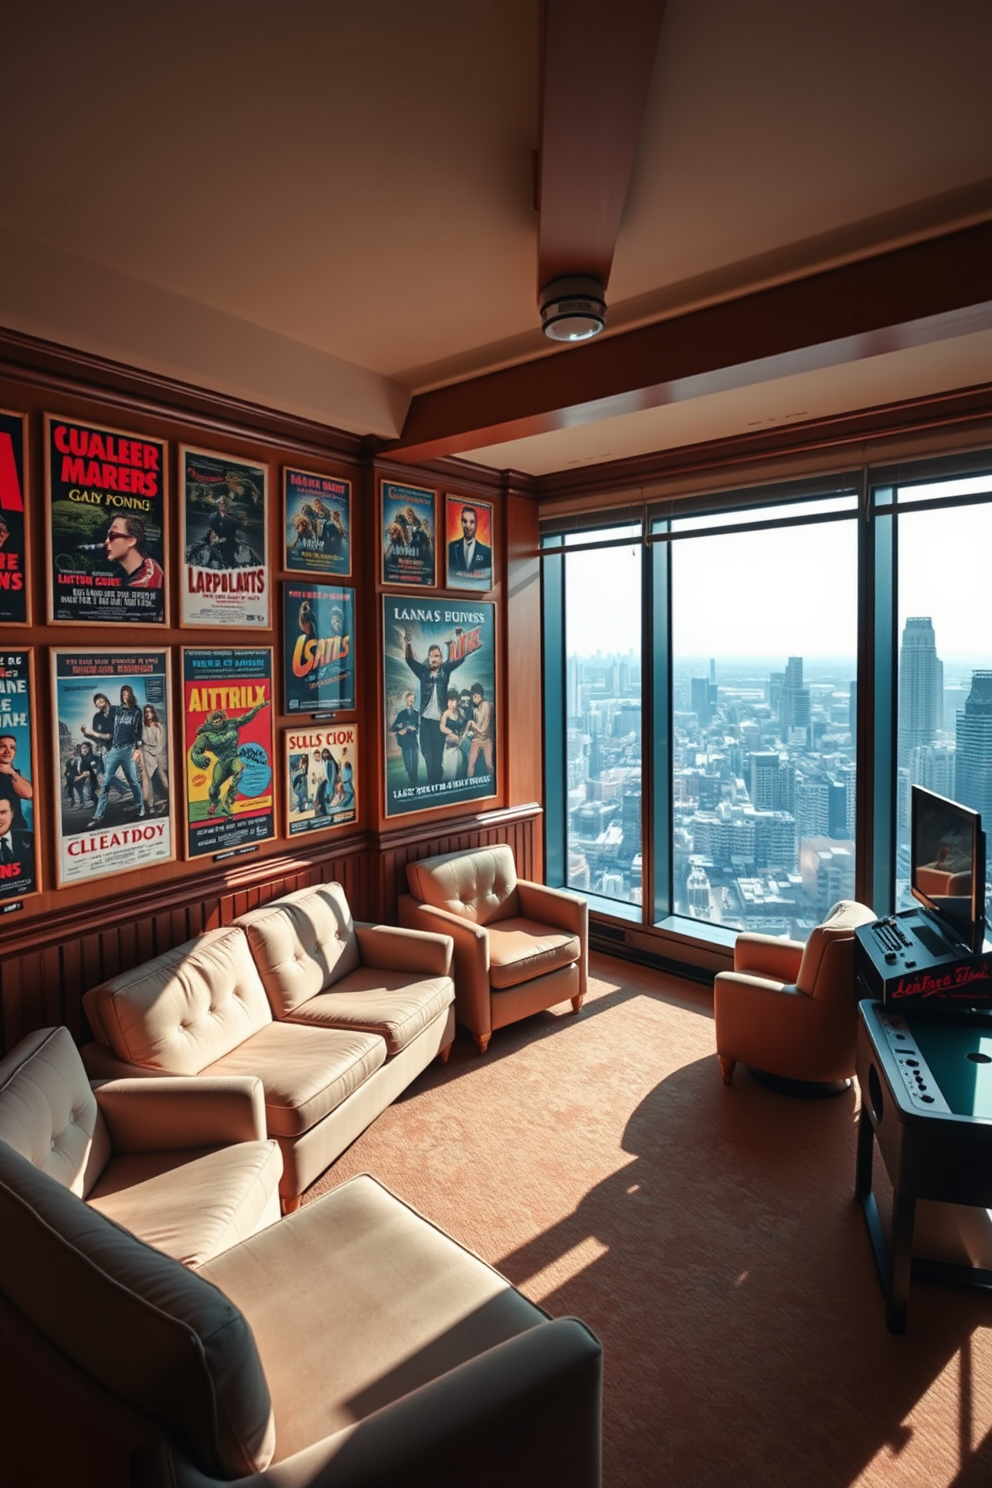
(947, 864)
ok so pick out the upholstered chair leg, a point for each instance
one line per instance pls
(482, 1041)
(727, 1066)
(443, 1054)
(289, 1206)
(577, 1003)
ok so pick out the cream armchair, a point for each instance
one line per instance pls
(789, 1010)
(519, 947)
(183, 1164)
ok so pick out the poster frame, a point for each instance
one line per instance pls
(28, 652)
(231, 848)
(238, 618)
(447, 800)
(322, 731)
(23, 475)
(317, 573)
(349, 602)
(158, 623)
(122, 653)
(425, 496)
(465, 584)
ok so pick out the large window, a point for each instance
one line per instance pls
(723, 634)
(602, 762)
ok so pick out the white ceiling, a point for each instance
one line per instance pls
(327, 207)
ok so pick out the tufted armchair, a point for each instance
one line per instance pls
(183, 1164)
(789, 1010)
(519, 947)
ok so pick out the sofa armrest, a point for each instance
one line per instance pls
(558, 907)
(177, 1112)
(527, 1412)
(767, 956)
(398, 948)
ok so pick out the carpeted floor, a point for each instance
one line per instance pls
(708, 1235)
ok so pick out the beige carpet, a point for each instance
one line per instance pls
(708, 1235)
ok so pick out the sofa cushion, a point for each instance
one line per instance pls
(302, 943)
(306, 1072)
(191, 1205)
(386, 1003)
(521, 949)
(48, 1112)
(402, 1301)
(150, 1330)
(183, 1010)
(480, 885)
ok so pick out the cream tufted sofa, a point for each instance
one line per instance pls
(519, 947)
(334, 1018)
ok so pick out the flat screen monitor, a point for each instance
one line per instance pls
(947, 864)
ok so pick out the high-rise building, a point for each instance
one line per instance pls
(973, 756)
(701, 700)
(921, 687)
(771, 781)
(795, 708)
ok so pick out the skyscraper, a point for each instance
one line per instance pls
(921, 687)
(973, 756)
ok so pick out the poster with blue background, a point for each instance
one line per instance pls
(18, 846)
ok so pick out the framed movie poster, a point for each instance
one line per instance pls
(105, 507)
(112, 765)
(409, 536)
(439, 670)
(13, 528)
(223, 504)
(229, 753)
(468, 533)
(316, 524)
(18, 839)
(320, 779)
(318, 648)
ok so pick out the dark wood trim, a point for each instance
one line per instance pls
(906, 296)
(64, 371)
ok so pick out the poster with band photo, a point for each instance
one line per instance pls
(320, 778)
(409, 536)
(316, 524)
(468, 534)
(439, 671)
(13, 526)
(318, 648)
(105, 510)
(228, 743)
(225, 573)
(18, 827)
(112, 765)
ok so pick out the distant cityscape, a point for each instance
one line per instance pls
(764, 778)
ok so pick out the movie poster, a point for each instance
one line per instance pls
(317, 524)
(106, 524)
(229, 749)
(439, 668)
(113, 770)
(13, 534)
(225, 577)
(468, 528)
(408, 536)
(18, 847)
(319, 648)
(321, 778)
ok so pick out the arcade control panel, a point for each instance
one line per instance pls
(912, 958)
(918, 1079)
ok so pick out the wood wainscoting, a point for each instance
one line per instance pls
(46, 968)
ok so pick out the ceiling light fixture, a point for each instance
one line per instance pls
(573, 308)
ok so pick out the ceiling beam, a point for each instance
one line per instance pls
(598, 57)
(909, 296)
